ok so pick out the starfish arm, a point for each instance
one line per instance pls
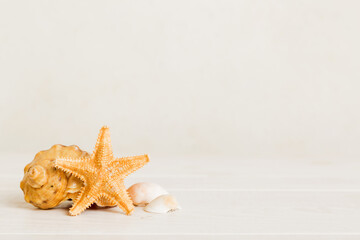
(103, 151)
(116, 192)
(78, 167)
(126, 165)
(105, 201)
(86, 197)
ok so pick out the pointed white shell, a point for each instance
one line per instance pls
(144, 192)
(163, 204)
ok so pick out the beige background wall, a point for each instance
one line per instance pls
(244, 78)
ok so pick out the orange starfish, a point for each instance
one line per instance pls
(103, 175)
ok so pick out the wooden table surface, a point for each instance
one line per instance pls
(221, 198)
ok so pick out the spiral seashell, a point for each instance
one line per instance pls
(43, 185)
(37, 176)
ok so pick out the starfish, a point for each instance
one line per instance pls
(103, 176)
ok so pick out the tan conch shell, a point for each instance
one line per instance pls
(43, 185)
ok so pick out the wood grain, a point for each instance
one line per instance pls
(227, 199)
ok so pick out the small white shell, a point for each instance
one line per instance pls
(163, 204)
(144, 192)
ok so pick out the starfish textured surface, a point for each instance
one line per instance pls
(103, 175)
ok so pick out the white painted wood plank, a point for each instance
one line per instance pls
(229, 183)
(105, 236)
(224, 213)
(227, 199)
(211, 173)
